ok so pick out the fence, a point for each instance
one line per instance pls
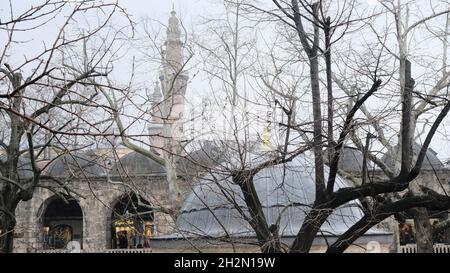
(437, 248)
(126, 250)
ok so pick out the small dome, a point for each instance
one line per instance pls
(77, 164)
(431, 161)
(285, 192)
(24, 169)
(352, 161)
(134, 164)
(207, 155)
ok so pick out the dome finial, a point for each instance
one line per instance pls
(266, 136)
(173, 9)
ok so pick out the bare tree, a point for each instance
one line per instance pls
(408, 25)
(315, 30)
(45, 108)
(271, 94)
(164, 118)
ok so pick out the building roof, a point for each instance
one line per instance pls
(135, 164)
(76, 164)
(206, 154)
(430, 162)
(24, 168)
(351, 160)
(286, 192)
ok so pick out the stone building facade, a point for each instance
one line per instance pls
(101, 185)
(98, 197)
(103, 189)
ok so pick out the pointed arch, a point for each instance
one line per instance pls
(131, 222)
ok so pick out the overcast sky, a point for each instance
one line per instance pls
(189, 11)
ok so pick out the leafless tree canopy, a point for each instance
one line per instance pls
(276, 81)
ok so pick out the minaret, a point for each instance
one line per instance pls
(173, 89)
(156, 126)
(174, 47)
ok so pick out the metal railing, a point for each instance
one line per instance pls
(125, 250)
(437, 248)
(128, 250)
(52, 251)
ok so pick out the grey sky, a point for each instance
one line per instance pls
(190, 12)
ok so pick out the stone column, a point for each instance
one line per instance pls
(95, 225)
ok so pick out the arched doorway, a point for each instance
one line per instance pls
(131, 223)
(440, 233)
(62, 222)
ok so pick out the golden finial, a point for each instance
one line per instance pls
(266, 136)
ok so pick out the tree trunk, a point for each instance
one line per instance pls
(316, 217)
(424, 234)
(330, 111)
(310, 227)
(317, 115)
(424, 230)
(7, 235)
(268, 238)
(170, 164)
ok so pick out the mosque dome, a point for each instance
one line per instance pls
(286, 193)
(431, 161)
(77, 164)
(352, 160)
(24, 169)
(136, 164)
(205, 155)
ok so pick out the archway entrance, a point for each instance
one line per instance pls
(132, 223)
(440, 233)
(62, 223)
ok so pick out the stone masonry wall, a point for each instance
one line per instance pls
(97, 198)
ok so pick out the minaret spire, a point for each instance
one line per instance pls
(168, 97)
(155, 127)
(174, 46)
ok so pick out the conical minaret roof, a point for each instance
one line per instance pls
(173, 53)
(173, 30)
(156, 95)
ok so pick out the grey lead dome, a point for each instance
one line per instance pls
(431, 161)
(77, 164)
(24, 168)
(135, 164)
(352, 161)
(286, 194)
